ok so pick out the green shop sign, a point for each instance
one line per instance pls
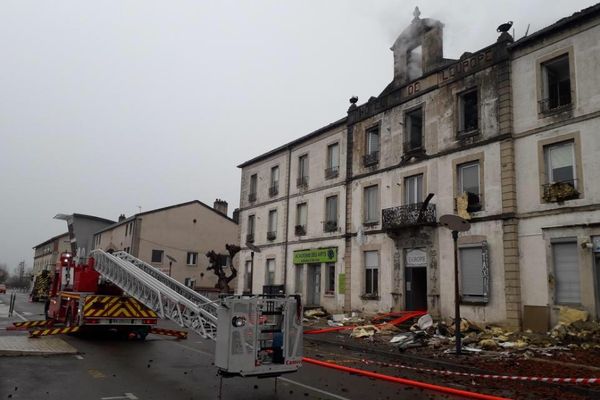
(315, 256)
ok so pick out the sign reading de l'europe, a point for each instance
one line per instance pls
(315, 256)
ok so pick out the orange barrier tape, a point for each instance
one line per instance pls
(404, 381)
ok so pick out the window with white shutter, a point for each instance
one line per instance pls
(474, 273)
(567, 289)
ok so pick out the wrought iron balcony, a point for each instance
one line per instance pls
(300, 230)
(250, 238)
(560, 191)
(371, 159)
(302, 182)
(271, 235)
(274, 190)
(410, 215)
(332, 172)
(252, 197)
(330, 226)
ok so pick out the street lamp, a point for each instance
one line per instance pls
(253, 249)
(456, 224)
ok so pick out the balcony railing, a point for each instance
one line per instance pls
(330, 226)
(250, 238)
(371, 159)
(555, 103)
(560, 191)
(332, 172)
(300, 230)
(302, 182)
(409, 215)
(271, 235)
(251, 197)
(274, 190)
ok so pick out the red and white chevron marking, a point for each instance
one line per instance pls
(486, 376)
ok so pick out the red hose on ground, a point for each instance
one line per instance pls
(397, 321)
(404, 381)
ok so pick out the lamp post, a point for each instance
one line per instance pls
(253, 249)
(456, 224)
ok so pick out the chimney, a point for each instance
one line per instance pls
(122, 217)
(220, 206)
(236, 215)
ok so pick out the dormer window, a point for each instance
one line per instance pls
(414, 63)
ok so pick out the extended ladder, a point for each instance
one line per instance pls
(157, 291)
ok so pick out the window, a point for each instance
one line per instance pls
(272, 229)
(248, 277)
(303, 170)
(330, 279)
(250, 229)
(157, 256)
(274, 187)
(331, 206)
(299, 279)
(560, 162)
(126, 229)
(333, 161)
(192, 258)
(474, 273)
(372, 147)
(413, 126)
(371, 209)
(414, 62)
(566, 273)
(301, 218)
(468, 185)
(413, 189)
(556, 81)
(371, 273)
(270, 272)
(252, 192)
(468, 118)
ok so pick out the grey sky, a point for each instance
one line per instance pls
(107, 105)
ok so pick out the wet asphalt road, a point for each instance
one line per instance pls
(165, 368)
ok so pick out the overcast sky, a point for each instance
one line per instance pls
(110, 105)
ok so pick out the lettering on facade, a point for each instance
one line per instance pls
(315, 256)
(413, 88)
(416, 258)
(465, 66)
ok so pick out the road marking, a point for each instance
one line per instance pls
(314, 389)
(27, 313)
(129, 396)
(193, 349)
(79, 357)
(20, 316)
(96, 374)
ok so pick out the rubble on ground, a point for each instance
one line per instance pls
(574, 331)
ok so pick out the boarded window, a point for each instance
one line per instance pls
(566, 273)
(474, 273)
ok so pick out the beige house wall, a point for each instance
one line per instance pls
(47, 254)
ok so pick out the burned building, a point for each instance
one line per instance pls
(359, 200)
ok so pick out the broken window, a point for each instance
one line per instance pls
(556, 78)
(414, 62)
(474, 272)
(414, 130)
(468, 185)
(468, 118)
(371, 259)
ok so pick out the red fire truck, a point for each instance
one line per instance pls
(80, 297)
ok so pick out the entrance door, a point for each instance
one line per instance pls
(416, 288)
(313, 287)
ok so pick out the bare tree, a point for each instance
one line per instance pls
(217, 262)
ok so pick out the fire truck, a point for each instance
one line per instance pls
(255, 335)
(80, 297)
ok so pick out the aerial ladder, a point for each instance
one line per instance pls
(258, 335)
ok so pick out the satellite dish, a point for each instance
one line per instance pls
(455, 223)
